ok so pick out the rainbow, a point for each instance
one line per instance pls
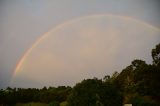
(58, 27)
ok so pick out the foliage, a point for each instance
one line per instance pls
(93, 92)
(156, 55)
(21, 95)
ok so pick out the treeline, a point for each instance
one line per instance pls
(11, 96)
(138, 84)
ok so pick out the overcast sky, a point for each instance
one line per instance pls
(24, 21)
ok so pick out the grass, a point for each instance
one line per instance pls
(31, 104)
(38, 104)
(63, 103)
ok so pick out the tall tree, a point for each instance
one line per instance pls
(156, 55)
(93, 92)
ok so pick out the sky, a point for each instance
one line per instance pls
(23, 22)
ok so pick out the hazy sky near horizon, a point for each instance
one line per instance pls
(24, 21)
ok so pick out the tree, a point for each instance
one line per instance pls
(93, 92)
(156, 55)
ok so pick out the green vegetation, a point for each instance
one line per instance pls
(94, 92)
(64, 103)
(31, 104)
(137, 84)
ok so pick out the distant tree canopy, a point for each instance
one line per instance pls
(138, 84)
(21, 95)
